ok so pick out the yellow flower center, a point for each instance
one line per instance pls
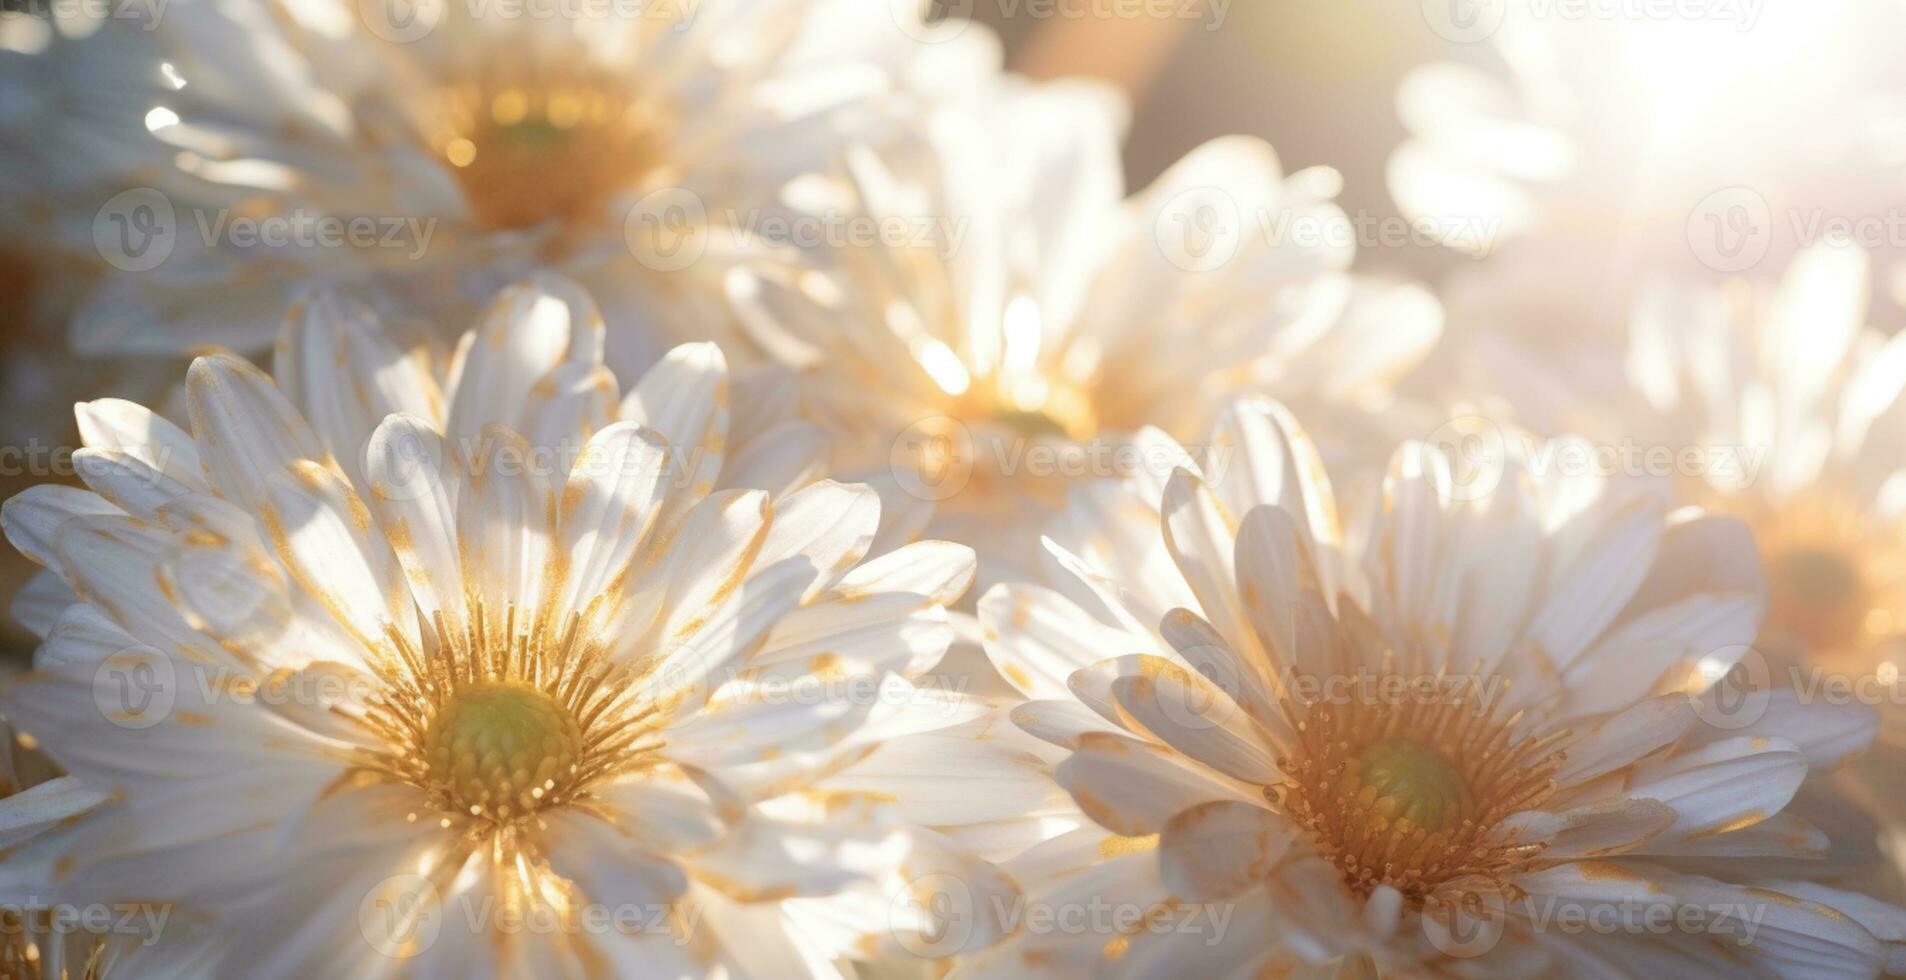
(501, 747)
(530, 152)
(508, 716)
(1033, 409)
(1409, 791)
(1834, 578)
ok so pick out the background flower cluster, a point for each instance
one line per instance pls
(904, 487)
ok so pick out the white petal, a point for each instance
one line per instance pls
(529, 330)
(336, 361)
(505, 517)
(127, 481)
(941, 571)
(1724, 786)
(414, 481)
(1037, 638)
(1134, 788)
(608, 509)
(324, 535)
(1648, 728)
(832, 524)
(1193, 716)
(110, 423)
(1219, 849)
(685, 398)
(246, 429)
(32, 518)
(610, 866)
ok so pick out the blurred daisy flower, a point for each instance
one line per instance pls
(1008, 321)
(423, 155)
(1422, 746)
(1790, 378)
(514, 673)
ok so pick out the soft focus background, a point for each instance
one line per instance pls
(1603, 144)
(1318, 80)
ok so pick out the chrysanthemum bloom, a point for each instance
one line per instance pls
(1006, 321)
(1440, 749)
(505, 677)
(1794, 405)
(441, 148)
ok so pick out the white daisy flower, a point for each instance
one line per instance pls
(1796, 400)
(1794, 377)
(507, 676)
(1013, 321)
(1436, 748)
(467, 141)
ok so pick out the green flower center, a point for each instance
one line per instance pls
(1818, 576)
(498, 748)
(1420, 782)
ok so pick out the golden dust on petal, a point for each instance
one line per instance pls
(507, 718)
(1410, 791)
(535, 145)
